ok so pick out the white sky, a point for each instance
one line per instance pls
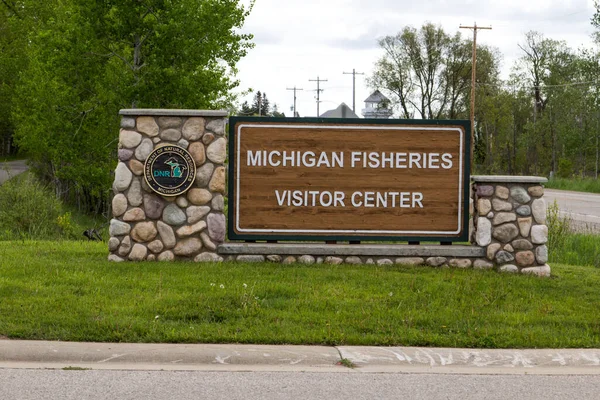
(298, 40)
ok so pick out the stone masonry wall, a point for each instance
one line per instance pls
(509, 234)
(508, 217)
(147, 226)
(432, 261)
(510, 223)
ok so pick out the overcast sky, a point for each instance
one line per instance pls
(299, 40)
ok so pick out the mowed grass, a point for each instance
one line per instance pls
(68, 291)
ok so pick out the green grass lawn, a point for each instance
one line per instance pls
(589, 185)
(68, 291)
(577, 249)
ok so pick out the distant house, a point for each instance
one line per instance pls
(377, 106)
(343, 111)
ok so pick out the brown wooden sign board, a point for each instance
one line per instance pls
(339, 179)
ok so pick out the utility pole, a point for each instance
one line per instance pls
(353, 73)
(319, 90)
(294, 89)
(473, 70)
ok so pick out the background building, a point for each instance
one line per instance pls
(377, 106)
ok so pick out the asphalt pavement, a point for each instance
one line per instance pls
(19, 384)
(12, 168)
(582, 209)
(65, 370)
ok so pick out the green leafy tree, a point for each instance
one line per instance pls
(261, 106)
(13, 34)
(87, 59)
(427, 72)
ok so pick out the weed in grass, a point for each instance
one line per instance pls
(69, 368)
(248, 301)
(346, 363)
(559, 227)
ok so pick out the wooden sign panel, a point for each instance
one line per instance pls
(340, 179)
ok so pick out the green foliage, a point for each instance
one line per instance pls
(588, 185)
(261, 106)
(12, 60)
(578, 249)
(30, 210)
(347, 363)
(427, 72)
(559, 228)
(84, 60)
(65, 224)
(546, 111)
(297, 304)
(567, 247)
(565, 168)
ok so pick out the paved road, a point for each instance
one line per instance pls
(582, 208)
(11, 168)
(63, 370)
(20, 384)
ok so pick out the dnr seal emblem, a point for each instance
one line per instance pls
(170, 170)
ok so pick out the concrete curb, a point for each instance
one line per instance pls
(239, 357)
(48, 354)
(491, 361)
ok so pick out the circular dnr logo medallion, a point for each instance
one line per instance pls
(170, 170)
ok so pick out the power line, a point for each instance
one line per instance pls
(528, 86)
(319, 90)
(353, 73)
(294, 89)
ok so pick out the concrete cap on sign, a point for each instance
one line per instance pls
(173, 113)
(508, 179)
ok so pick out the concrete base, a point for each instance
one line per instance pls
(456, 256)
(381, 254)
(365, 250)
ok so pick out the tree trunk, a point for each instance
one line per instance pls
(597, 155)
(553, 132)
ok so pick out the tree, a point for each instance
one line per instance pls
(13, 44)
(276, 112)
(88, 59)
(427, 72)
(162, 48)
(246, 109)
(261, 106)
(545, 60)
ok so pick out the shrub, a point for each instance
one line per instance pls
(30, 210)
(565, 168)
